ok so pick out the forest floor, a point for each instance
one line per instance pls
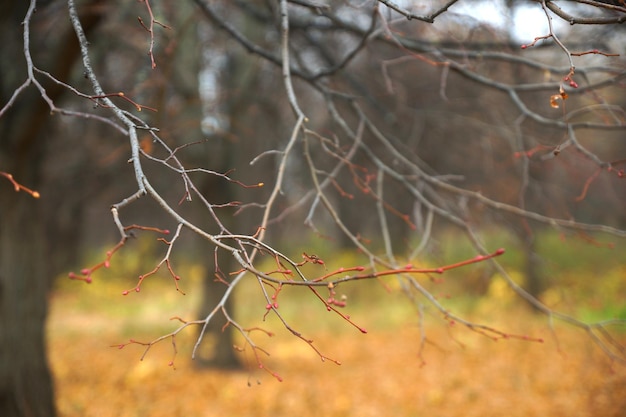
(382, 373)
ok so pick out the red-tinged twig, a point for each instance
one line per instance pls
(150, 29)
(591, 179)
(255, 348)
(171, 336)
(309, 342)
(493, 333)
(19, 187)
(529, 153)
(408, 269)
(339, 271)
(146, 228)
(589, 239)
(314, 259)
(596, 173)
(262, 366)
(86, 273)
(593, 51)
(619, 172)
(340, 189)
(123, 96)
(534, 42)
(332, 308)
(166, 260)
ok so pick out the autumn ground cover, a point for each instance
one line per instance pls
(459, 373)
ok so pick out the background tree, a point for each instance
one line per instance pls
(375, 125)
(27, 262)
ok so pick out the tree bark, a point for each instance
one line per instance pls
(183, 68)
(217, 349)
(26, 253)
(25, 380)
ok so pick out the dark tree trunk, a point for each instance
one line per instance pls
(217, 349)
(534, 278)
(237, 79)
(183, 69)
(535, 284)
(25, 381)
(26, 253)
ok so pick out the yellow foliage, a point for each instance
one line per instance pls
(500, 290)
(382, 373)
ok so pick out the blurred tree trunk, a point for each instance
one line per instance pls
(238, 78)
(25, 381)
(218, 339)
(223, 151)
(534, 279)
(26, 255)
(183, 70)
(535, 284)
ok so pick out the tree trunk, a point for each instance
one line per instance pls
(183, 70)
(217, 349)
(25, 380)
(535, 284)
(26, 270)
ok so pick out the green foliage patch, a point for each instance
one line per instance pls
(590, 285)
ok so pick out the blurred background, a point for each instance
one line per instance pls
(228, 101)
